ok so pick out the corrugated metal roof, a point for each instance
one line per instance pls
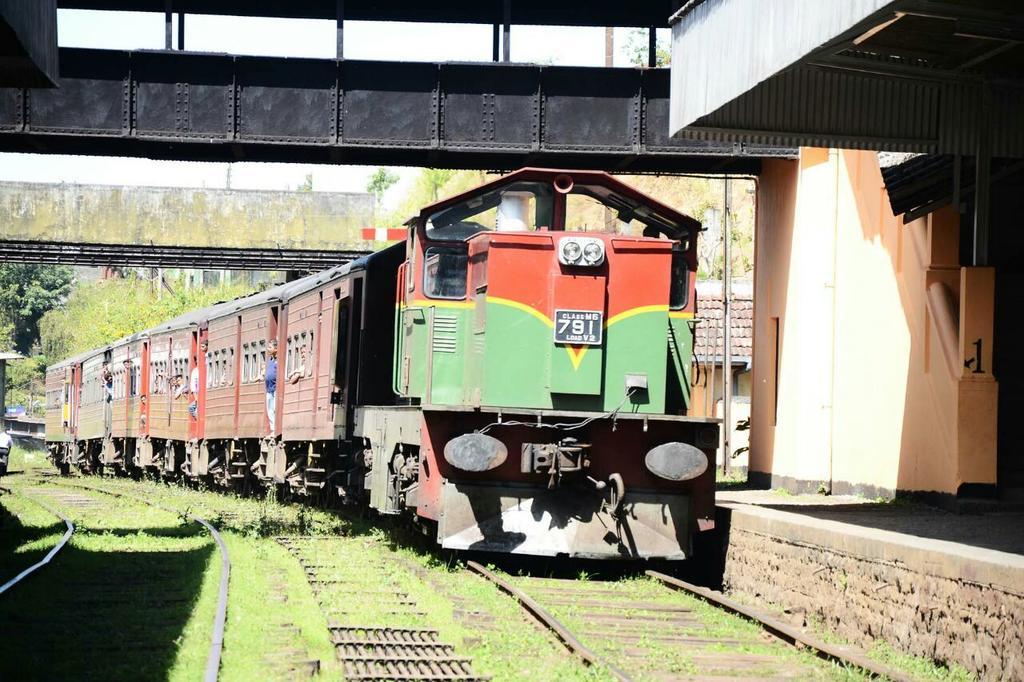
(922, 184)
(908, 75)
(722, 48)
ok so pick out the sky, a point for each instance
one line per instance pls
(393, 41)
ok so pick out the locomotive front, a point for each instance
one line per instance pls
(544, 329)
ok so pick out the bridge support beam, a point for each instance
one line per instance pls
(489, 116)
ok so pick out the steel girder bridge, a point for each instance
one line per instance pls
(486, 115)
(187, 257)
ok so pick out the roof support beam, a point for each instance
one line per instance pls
(982, 182)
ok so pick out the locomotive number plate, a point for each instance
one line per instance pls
(579, 327)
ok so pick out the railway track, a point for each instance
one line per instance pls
(49, 555)
(651, 627)
(380, 632)
(640, 630)
(220, 617)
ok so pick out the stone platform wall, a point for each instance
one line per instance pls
(923, 598)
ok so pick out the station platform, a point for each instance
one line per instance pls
(928, 582)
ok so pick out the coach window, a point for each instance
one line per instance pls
(309, 355)
(231, 366)
(679, 291)
(246, 354)
(444, 272)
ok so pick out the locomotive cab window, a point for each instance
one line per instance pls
(444, 272)
(679, 290)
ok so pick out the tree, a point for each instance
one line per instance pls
(380, 182)
(434, 179)
(26, 385)
(100, 312)
(26, 293)
(637, 48)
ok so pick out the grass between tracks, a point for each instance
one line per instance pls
(659, 658)
(130, 597)
(273, 615)
(511, 648)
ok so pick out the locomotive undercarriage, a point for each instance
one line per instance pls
(534, 489)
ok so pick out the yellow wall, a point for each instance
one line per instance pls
(871, 397)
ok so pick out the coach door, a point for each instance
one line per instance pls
(199, 362)
(273, 332)
(341, 387)
(144, 389)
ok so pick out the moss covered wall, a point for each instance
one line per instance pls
(184, 216)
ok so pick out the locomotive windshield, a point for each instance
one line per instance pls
(594, 208)
(513, 208)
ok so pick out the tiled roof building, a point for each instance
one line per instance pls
(708, 343)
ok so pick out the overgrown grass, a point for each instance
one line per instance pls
(22, 459)
(272, 608)
(737, 635)
(131, 597)
(364, 555)
(268, 594)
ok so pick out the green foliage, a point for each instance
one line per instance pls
(26, 385)
(637, 48)
(433, 185)
(433, 179)
(104, 311)
(26, 293)
(380, 182)
(306, 186)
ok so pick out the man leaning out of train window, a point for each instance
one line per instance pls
(193, 382)
(300, 370)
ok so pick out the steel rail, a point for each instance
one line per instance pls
(220, 618)
(49, 555)
(783, 631)
(550, 622)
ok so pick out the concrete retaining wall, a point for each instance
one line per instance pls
(185, 216)
(941, 600)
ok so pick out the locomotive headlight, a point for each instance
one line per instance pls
(584, 251)
(475, 452)
(571, 251)
(676, 461)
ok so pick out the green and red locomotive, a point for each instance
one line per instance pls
(515, 377)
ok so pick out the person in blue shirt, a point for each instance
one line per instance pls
(270, 382)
